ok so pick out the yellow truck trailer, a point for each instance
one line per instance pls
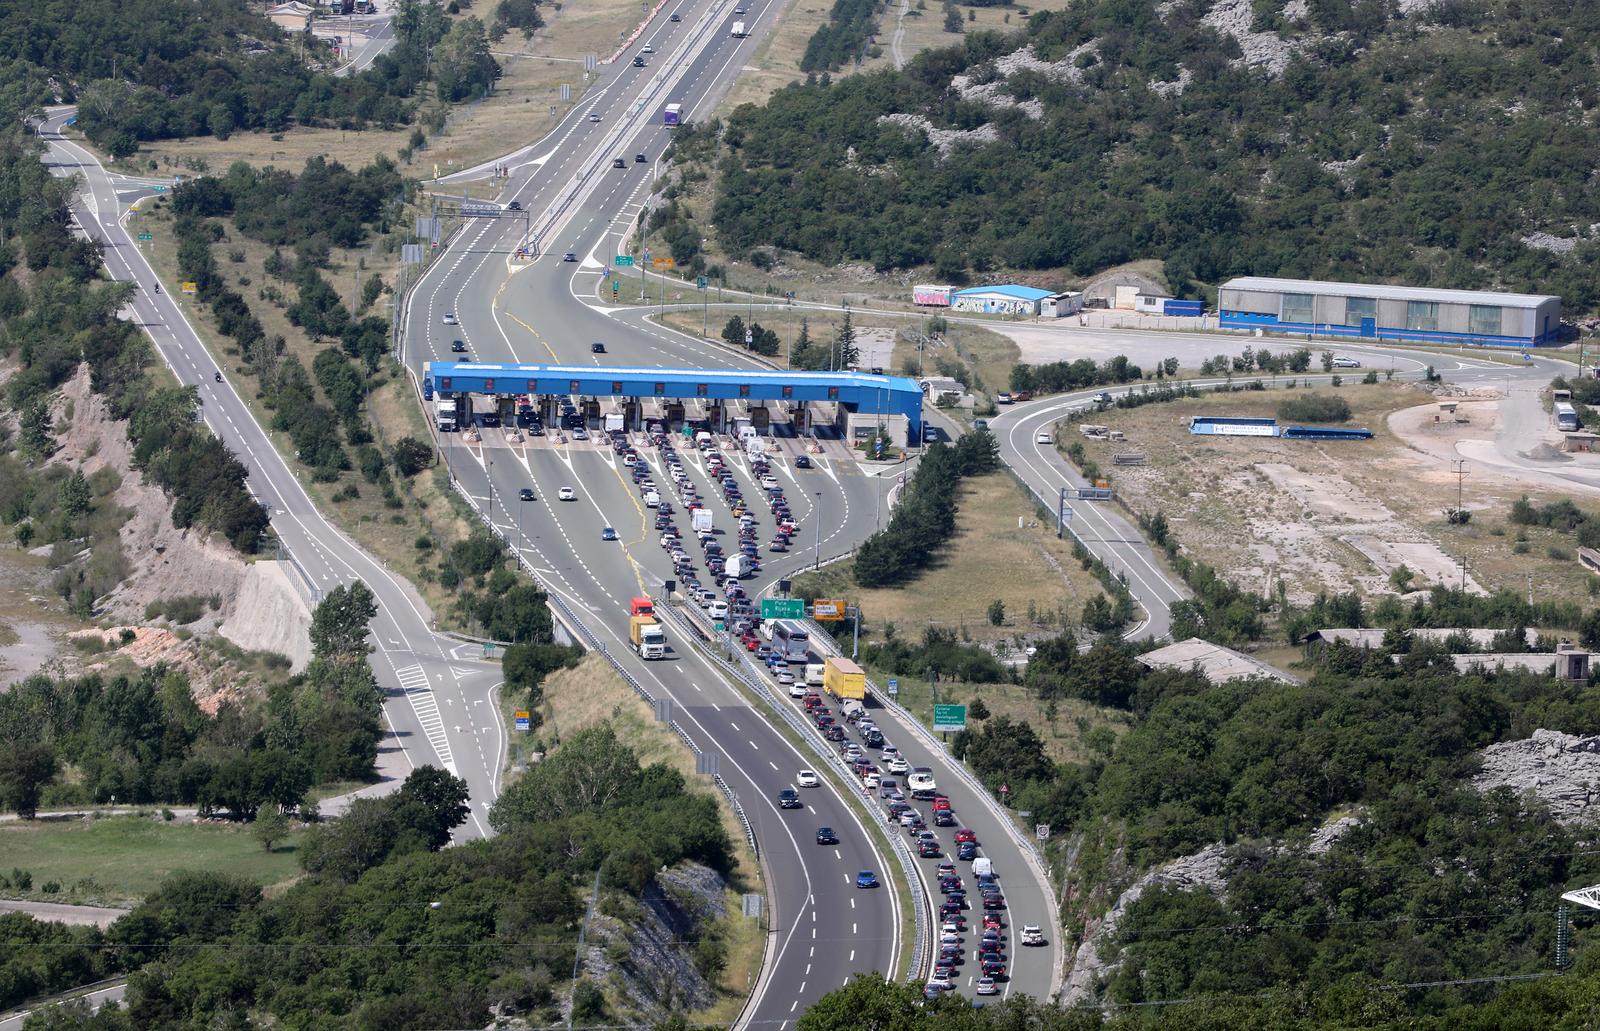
(844, 679)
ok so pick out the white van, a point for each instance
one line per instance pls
(814, 672)
(982, 866)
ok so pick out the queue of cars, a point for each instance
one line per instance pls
(724, 566)
(880, 779)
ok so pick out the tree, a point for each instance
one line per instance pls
(24, 771)
(733, 331)
(462, 64)
(997, 612)
(270, 827)
(442, 796)
(848, 354)
(411, 456)
(74, 497)
(339, 625)
(952, 18)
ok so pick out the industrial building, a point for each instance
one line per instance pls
(1000, 300)
(1356, 311)
(1059, 306)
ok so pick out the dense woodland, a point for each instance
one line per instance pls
(1390, 148)
(387, 931)
(148, 70)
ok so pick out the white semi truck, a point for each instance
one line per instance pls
(445, 414)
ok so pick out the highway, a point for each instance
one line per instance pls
(439, 699)
(544, 310)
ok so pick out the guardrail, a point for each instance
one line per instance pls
(594, 644)
(694, 626)
(1030, 849)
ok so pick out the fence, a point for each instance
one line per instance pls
(588, 640)
(736, 661)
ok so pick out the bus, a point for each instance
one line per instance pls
(1567, 417)
(789, 640)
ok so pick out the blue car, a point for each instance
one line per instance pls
(866, 879)
(608, 534)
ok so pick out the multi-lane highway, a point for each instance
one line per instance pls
(440, 703)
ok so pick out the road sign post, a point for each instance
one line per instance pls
(948, 717)
(783, 608)
(894, 687)
(524, 722)
(1042, 832)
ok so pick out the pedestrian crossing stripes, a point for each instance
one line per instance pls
(414, 681)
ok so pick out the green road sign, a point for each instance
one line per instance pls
(783, 608)
(949, 717)
(146, 236)
(624, 260)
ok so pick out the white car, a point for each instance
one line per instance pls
(647, 49)
(1043, 437)
(796, 689)
(718, 610)
(669, 540)
(1032, 935)
(450, 318)
(1342, 361)
(939, 981)
(898, 765)
(785, 677)
(567, 494)
(806, 779)
(769, 482)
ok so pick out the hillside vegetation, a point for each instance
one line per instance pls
(1450, 146)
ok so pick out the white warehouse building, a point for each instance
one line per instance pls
(1360, 311)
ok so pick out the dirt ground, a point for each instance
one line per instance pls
(1332, 515)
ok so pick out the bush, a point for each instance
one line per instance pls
(1314, 408)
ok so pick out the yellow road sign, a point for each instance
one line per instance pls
(662, 262)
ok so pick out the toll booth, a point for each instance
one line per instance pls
(674, 415)
(761, 418)
(591, 413)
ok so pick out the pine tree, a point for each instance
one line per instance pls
(848, 353)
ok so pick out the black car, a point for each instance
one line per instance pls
(458, 346)
(527, 494)
(825, 836)
(618, 163)
(802, 462)
(515, 205)
(639, 159)
(597, 348)
(638, 62)
(676, 17)
(789, 798)
(491, 419)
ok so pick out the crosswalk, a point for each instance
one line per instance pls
(414, 681)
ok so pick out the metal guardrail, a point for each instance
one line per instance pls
(1030, 849)
(694, 627)
(594, 644)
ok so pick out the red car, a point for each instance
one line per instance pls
(941, 802)
(965, 835)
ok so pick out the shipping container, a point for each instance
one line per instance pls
(1173, 306)
(843, 679)
(935, 296)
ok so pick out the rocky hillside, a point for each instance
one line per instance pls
(1362, 139)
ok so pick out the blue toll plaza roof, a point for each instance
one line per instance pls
(865, 392)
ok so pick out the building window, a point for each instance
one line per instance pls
(1297, 308)
(1422, 316)
(1358, 308)
(1483, 320)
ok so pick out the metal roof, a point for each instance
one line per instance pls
(1025, 293)
(1390, 293)
(1216, 663)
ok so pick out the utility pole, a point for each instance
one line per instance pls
(1459, 467)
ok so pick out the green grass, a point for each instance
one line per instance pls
(124, 858)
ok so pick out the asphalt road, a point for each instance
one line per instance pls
(439, 699)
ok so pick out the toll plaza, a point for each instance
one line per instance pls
(852, 405)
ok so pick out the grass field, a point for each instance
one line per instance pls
(121, 859)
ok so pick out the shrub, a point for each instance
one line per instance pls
(1314, 408)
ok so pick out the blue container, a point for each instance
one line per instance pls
(1172, 306)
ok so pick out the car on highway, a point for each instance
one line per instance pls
(580, 434)
(738, 10)
(826, 836)
(943, 818)
(966, 834)
(608, 534)
(789, 798)
(526, 494)
(986, 986)
(640, 159)
(450, 319)
(597, 348)
(647, 49)
(515, 205)
(898, 764)
(567, 494)
(594, 116)
(802, 461)
(939, 982)
(618, 163)
(458, 346)
(1344, 361)
(676, 17)
(570, 256)
(638, 62)
(1043, 437)
(866, 879)
(807, 779)
(967, 851)
(1032, 935)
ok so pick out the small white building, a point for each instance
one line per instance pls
(1000, 300)
(292, 16)
(1059, 306)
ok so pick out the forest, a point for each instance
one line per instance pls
(1385, 150)
(389, 929)
(144, 70)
